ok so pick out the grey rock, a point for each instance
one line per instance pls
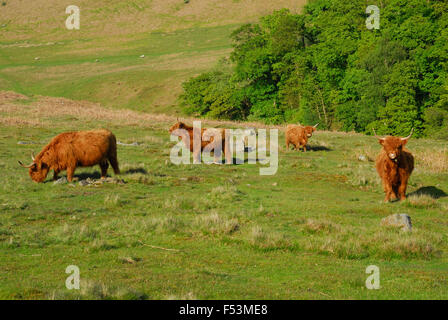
(362, 158)
(26, 142)
(85, 182)
(62, 180)
(133, 144)
(402, 221)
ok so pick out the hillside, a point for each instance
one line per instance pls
(100, 62)
(209, 231)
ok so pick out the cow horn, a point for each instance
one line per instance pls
(32, 156)
(315, 126)
(376, 135)
(28, 166)
(412, 131)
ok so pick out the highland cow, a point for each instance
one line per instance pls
(69, 150)
(207, 139)
(394, 165)
(298, 135)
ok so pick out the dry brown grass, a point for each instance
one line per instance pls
(421, 201)
(320, 226)
(45, 108)
(18, 122)
(117, 18)
(434, 161)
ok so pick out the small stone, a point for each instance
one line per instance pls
(37, 58)
(62, 180)
(401, 220)
(274, 184)
(83, 183)
(362, 158)
(142, 56)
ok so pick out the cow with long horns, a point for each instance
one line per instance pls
(69, 150)
(298, 135)
(394, 164)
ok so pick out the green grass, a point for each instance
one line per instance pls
(190, 231)
(308, 232)
(100, 62)
(113, 73)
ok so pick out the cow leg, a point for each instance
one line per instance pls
(70, 173)
(390, 194)
(55, 175)
(104, 165)
(388, 191)
(402, 189)
(114, 163)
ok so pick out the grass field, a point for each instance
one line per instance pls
(189, 231)
(101, 61)
(210, 231)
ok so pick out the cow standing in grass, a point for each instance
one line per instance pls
(207, 140)
(394, 165)
(298, 135)
(69, 150)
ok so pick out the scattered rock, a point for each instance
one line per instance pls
(26, 142)
(97, 182)
(114, 180)
(97, 60)
(131, 260)
(142, 56)
(401, 220)
(37, 58)
(62, 180)
(274, 184)
(85, 182)
(133, 144)
(362, 158)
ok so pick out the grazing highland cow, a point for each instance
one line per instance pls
(394, 165)
(298, 135)
(69, 150)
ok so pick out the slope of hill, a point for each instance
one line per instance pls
(213, 231)
(101, 61)
(43, 19)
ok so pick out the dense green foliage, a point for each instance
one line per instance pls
(326, 66)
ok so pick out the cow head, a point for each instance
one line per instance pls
(38, 169)
(178, 125)
(309, 130)
(393, 145)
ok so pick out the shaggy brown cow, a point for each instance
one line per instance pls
(298, 135)
(204, 142)
(394, 165)
(69, 150)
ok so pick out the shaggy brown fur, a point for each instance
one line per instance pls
(298, 135)
(394, 164)
(69, 150)
(188, 141)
